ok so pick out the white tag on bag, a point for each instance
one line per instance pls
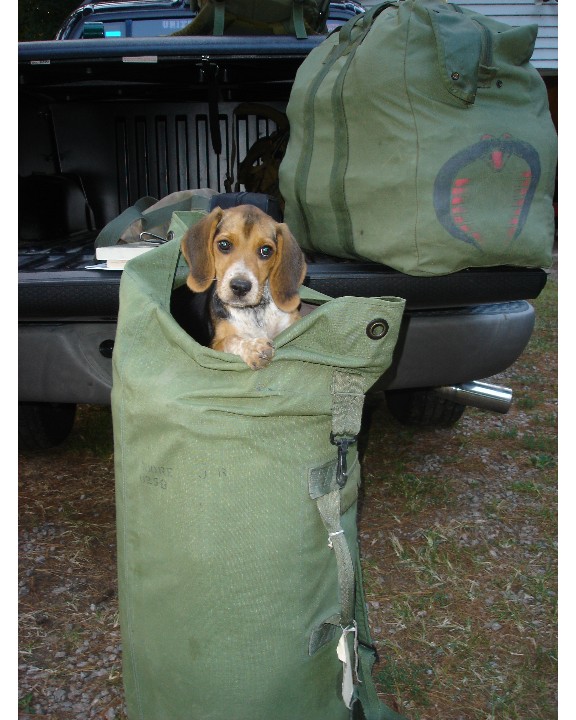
(344, 656)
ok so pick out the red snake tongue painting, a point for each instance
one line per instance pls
(495, 178)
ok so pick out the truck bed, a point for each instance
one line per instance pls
(102, 132)
(53, 283)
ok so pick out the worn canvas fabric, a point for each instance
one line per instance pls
(421, 138)
(237, 546)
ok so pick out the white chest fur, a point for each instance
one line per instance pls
(262, 321)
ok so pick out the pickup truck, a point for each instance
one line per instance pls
(105, 119)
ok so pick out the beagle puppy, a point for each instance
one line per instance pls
(253, 267)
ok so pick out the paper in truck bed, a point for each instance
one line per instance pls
(116, 256)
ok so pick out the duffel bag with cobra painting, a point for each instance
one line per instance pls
(421, 138)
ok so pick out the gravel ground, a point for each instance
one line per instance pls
(69, 640)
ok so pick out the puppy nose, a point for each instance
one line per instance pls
(240, 286)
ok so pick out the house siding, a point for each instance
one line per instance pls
(527, 12)
(523, 12)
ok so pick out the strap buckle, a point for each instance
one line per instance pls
(342, 443)
(154, 239)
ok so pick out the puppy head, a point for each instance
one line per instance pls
(242, 248)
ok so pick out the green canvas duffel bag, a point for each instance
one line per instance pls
(421, 138)
(240, 586)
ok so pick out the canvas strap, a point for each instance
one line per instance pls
(351, 625)
(110, 234)
(329, 509)
(347, 403)
(346, 46)
(113, 230)
(297, 18)
(326, 485)
(341, 146)
(219, 17)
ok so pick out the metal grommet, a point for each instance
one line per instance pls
(170, 235)
(499, 83)
(455, 76)
(106, 348)
(377, 329)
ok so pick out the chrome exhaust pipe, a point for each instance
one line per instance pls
(479, 395)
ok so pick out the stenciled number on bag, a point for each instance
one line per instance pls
(211, 473)
(456, 187)
(159, 476)
(156, 476)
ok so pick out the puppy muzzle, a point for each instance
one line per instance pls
(240, 286)
(239, 290)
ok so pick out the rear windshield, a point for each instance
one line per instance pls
(151, 27)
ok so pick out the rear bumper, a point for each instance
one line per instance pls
(448, 347)
(71, 361)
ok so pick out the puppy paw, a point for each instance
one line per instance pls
(257, 353)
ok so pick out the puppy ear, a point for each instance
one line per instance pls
(288, 272)
(197, 249)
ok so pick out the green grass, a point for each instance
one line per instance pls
(464, 605)
(25, 703)
(398, 678)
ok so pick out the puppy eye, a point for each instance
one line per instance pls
(225, 246)
(265, 251)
